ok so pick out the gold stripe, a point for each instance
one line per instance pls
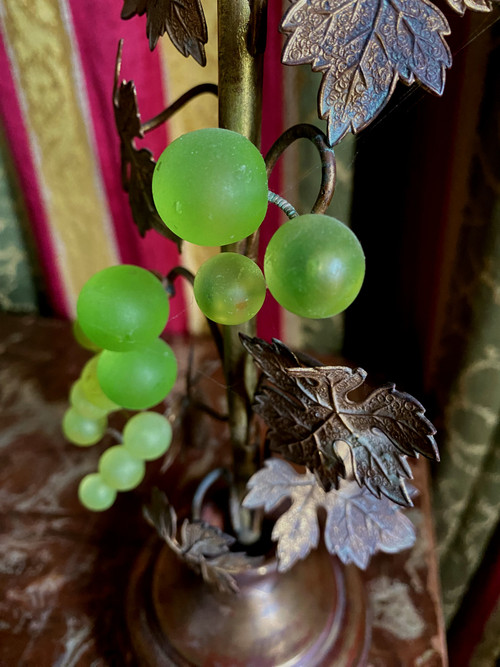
(181, 74)
(42, 58)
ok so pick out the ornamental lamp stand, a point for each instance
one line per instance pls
(314, 614)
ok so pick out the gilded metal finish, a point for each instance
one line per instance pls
(357, 524)
(328, 165)
(312, 616)
(362, 49)
(183, 21)
(240, 110)
(240, 69)
(309, 412)
(461, 6)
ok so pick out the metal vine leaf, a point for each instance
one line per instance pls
(137, 165)
(183, 20)
(362, 48)
(357, 524)
(461, 6)
(203, 547)
(309, 412)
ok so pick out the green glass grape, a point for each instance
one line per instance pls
(210, 187)
(95, 494)
(120, 470)
(92, 389)
(81, 430)
(147, 435)
(314, 266)
(82, 405)
(82, 339)
(229, 288)
(139, 379)
(122, 307)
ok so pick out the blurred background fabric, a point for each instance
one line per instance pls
(420, 187)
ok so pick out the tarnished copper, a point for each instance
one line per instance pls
(183, 21)
(357, 524)
(313, 616)
(362, 50)
(309, 411)
(328, 164)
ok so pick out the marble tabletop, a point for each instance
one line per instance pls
(64, 571)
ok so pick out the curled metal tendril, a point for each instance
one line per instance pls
(189, 276)
(328, 167)
(167, 113)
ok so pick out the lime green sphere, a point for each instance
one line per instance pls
(81, 430)
(210, 187)
(120, 470)
(139, 379)
(229, 288)
(147, 435)
(314, 266)
(91, 388)
(95, 494)
(122, 307)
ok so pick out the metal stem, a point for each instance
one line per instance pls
(240, 110)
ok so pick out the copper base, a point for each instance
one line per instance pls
(315, 615)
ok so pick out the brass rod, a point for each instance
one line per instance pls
(240, 110)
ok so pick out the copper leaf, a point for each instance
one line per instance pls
(362, 48)
(183, 20)
(309, 412)
(475, 5)
(203, 547)
(137, 164)
(357, 524)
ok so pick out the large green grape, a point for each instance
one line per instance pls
(229, 288)
(95, 494)
(147, 435)
(210, 187)
(314, 266)
(139, 379)
(81, 430)
(122, 307)
(120, 470)
(92, 389)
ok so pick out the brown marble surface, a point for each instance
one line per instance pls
(64, 571)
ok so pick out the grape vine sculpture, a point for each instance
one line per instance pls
(350, 454)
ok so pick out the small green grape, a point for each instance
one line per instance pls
(82, 405)
(120, 470)
(81, 430)
(139, 379)
(229, 288)
(82, 339)
(314, 266)
(147, 435)
(92, 389)
(122, 307)
(210, 187)
(95, 494)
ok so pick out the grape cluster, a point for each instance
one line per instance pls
(121, 311)
(210, 188)
(146, 436)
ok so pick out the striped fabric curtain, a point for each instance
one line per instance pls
(57, 59)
